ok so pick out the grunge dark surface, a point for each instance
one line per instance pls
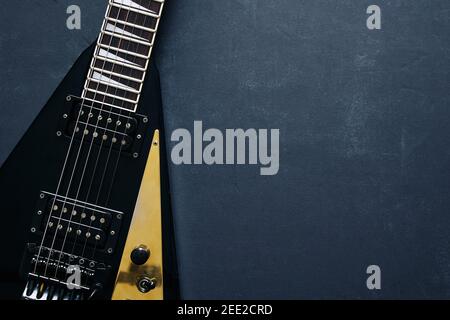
(364, 123)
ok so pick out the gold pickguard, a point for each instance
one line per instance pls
(145, 229)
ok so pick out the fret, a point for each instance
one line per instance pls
(112, 91)
(120, 63)
(123, 57)
(143, 5)
(132, 84)
(93, 83)
(123, 50)
(97, 82)
(133, 17)
(117, 42)
(121, 71)
(141, 10)
(118, 76)
(129, 24)
(87, 98)
(129, 31)
(111, 95)
(109, 101)
(127, 38)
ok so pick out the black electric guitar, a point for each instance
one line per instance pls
(85, 208)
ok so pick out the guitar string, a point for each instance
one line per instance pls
(109, 154)
(95, 130)
(110, 150)
(118, 158)
(101, 37)
(151, 43)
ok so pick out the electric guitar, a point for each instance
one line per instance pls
(85, 206)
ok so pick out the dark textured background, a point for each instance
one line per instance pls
(364, 119)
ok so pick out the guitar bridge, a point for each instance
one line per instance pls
(57, 275)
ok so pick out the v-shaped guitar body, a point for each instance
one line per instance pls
(140, 191)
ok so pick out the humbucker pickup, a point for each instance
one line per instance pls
(103, 126)
(76, 222)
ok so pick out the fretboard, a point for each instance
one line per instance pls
(122, 54)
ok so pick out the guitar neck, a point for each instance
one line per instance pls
(122, 53)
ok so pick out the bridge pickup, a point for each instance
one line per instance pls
(76, 225)
(103, 126)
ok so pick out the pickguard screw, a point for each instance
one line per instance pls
(145, 120)
(68, 98)
(33, 230)
(112, 232)
(59, 133)
(119, 216)
(39, 212)
(42, 196)
(135, 155)
(65, 116)
(138, 136)
(110, 250)
(155, 143)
